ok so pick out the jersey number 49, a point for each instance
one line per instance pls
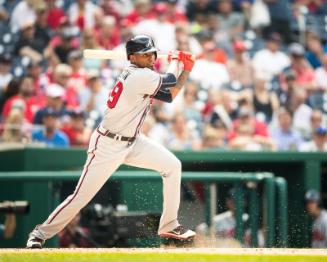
(115, 94)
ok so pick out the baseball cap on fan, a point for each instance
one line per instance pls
(55, 90)
(322, 131)
(239, 46)
(296, 49)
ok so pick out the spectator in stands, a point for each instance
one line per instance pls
(189, 106)
(84, 14)
(246, 117)
(24, 11)
(65, 44)
(162, 116)
(6, 9)
(304, 74)
(318, 142)
(5, 74)
(50, 135)
(314, 208)
(173, 13)
(75, 129)
(7, 229)
(280, 16)
(286, 138)
(89, 41)
(55, 14)
(315, 49)
(317, 119)
(54, 101)
(278, 60)
(265, 103)
(321, 75)
(224, 108)
(42, 31)
(286, 88)
(93, 99)
(27, 44)
(74, 235)
(24, 99)
(61, 76)
(10, 90)
(117, 9)
(197, 10)
(185, 41)
(78, 76)
(162, 31)
(245, 138)
(240, 68)
(143, 9)
(313, 7)
(40, 81)
(181, 137)
(301, 112)
(214, 137)
(16, 129)
(207, 72)
(108, 34)
(230, 23)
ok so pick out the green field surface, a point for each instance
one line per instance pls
(145, 255)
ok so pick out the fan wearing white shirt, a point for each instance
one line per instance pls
(270, 60)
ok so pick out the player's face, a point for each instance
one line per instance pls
(144, 60)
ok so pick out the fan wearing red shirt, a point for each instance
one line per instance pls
(25, 99)
(78, 134)
(173, 15)
(246, 116)
(143, 9)
(108, 35)
(78, 75)
(62, 74)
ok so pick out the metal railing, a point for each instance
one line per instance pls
(274, 195)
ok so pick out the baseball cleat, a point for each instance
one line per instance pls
(34, 242)
(180, 233)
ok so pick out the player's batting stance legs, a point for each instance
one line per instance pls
(151, 155)
(104, 157)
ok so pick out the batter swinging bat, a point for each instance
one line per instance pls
(110, 54)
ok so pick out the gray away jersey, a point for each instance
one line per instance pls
(130, 100)
(319, 231)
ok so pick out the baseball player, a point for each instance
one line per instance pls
(117, 140)
(319, 215)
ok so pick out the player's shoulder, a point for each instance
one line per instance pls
(138, 72)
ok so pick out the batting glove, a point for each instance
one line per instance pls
(188, 61)
(175, 55)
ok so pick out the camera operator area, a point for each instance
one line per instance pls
(104, 222)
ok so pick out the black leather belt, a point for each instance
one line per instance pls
(116, 137)
(120, 137)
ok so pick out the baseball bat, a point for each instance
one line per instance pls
(109, 54)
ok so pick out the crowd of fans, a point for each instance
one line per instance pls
(259, 82)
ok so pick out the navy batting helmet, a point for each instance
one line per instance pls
(140, 44)
(312, 195)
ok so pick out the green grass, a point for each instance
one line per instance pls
(122, 257)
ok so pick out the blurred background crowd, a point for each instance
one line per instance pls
(259, 82)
